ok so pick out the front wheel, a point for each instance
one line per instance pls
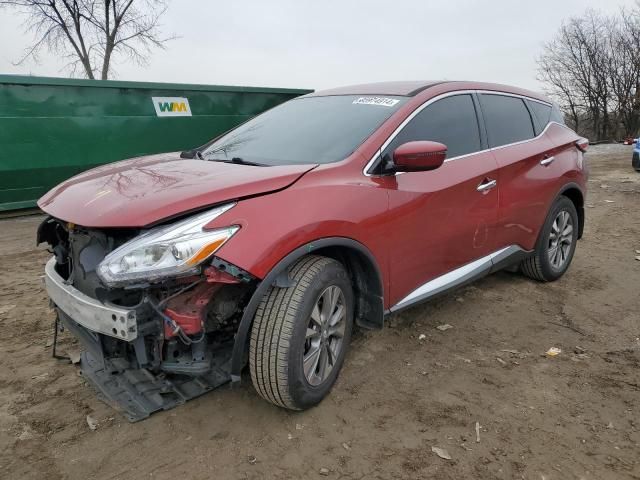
(301, 333)
(556, 244)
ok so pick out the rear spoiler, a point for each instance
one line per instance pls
(582, 144)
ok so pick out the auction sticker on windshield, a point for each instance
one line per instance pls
(382, 101)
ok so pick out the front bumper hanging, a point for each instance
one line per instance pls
(138, 392)
(115, 321)
(120, 381)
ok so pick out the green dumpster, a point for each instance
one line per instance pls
(53, 128)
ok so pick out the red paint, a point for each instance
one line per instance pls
(217, 276)
(189, 309)
(417, 225)
(419, 156)
(527, 188)
(145, 190)
(439, 221)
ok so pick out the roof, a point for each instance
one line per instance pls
(405, 88)
(412, 88)
(79, 82)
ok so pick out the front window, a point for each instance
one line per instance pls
(305, 130)
(450, 120)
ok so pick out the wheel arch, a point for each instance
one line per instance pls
(574, 193)
(361, 265)
(367, 282)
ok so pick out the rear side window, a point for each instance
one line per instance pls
(541, 115)
(451, 121)
(557, 115)
(507, 119)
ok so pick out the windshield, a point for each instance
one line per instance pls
(305, 130)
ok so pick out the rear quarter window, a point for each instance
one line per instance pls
(557, 115)
(507, 119)
(541, 115)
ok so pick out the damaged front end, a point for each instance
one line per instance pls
(151, 341)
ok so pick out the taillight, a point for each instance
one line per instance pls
(582, 144)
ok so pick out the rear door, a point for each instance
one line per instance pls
(441, 219)
(526, 176)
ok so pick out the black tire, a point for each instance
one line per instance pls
(539, 266)
(279, 334)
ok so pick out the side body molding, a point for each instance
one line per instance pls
(369, 313)
(462, 275)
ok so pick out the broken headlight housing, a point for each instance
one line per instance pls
(171, 250)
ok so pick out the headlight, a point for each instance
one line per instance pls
(167, 251)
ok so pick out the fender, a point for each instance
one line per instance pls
(579, 203)
(278, 276)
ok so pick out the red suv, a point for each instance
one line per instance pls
(268, 244)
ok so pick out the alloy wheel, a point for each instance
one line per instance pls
(324, 337)
(560, 240)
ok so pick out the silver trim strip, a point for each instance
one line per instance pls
(456, 277)
(87, 311)
(375, 157)
(517, 95)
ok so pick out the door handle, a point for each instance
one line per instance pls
(486, 185)
(547, 161)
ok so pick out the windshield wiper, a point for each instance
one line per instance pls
(191, 154)
(238, 161)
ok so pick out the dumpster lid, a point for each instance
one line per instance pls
(28, 80)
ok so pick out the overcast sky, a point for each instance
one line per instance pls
(321, 44)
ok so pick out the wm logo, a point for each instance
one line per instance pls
(171, 106)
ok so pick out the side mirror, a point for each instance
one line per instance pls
(419, 156)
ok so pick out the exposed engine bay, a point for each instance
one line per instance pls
(147, 346)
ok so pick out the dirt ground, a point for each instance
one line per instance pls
(575, 415)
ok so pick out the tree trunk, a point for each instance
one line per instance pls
(87, 69)
(105, 63)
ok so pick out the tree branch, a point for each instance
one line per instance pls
(92, 32)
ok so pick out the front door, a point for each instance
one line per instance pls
(443, 220)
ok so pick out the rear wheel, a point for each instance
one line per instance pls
(301, 333)
(556, 244)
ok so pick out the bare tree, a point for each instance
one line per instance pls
(561, 84)
(574, 66)
(625, 69)
(91, 33)
(592, 69)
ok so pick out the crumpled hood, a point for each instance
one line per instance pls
(145, 190)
